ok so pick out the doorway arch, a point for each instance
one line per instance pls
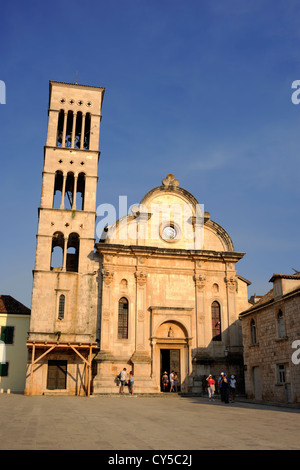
(171, 352)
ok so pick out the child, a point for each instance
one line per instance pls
(130, 383)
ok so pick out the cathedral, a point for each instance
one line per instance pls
(157, 291)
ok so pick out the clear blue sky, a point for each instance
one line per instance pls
(197, 88)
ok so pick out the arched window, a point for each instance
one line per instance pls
(69, 191)
(61, 307)
(57, 250)
(78, 130)
(216, 321)
(69, 129)
(72, 253)
(123, 319)
(87, 131)
(80, 192)
(60, 126)
(58, 186)
(253, 331)
(280, 325)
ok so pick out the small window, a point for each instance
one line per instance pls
(3, 369)
(61, 307)
(253, 332)
(280, 325)
(123, 319)
(281, 373)
(7, 334)
(216, 321)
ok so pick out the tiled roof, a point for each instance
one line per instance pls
(10, 305)
(285, 276)
(265, 299)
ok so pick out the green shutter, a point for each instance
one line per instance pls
(7, 334)
(4, 369)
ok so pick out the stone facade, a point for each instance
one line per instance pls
(158, 291)
(169, 283)
(271, 337)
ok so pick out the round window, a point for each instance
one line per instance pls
(169, 233)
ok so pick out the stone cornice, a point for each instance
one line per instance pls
(137, 250)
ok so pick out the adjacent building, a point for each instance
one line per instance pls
(271, 338)
(14, 327)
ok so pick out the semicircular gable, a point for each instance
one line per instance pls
(168, 202)
(216, 238)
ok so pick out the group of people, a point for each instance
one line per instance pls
(172, 379)
(226, 384)
(227, 387)
(124, 382)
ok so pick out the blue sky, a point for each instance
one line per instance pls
(200, 89)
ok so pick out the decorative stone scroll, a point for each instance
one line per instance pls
(231, 283)
(107, 276)
(200, 281)
(141, 277)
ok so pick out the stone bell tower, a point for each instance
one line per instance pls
(64, 310)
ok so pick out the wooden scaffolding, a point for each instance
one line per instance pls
(80, 349)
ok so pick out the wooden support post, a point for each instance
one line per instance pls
(89, 371)
(31, 368)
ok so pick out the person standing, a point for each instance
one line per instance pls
(224, 384)
(232, 388)
(175, 381)
(211, 387)
(130, 383)
(165, 381)
(220, 385)
(122, 379)
(172, 381)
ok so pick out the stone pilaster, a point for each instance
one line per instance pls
(200, 282)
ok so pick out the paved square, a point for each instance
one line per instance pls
(143, 423)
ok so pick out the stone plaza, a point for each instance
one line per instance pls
(169, 422)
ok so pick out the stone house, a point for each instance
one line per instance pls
(271, 339)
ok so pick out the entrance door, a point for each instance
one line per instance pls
(170, 360)
(257, 383)
(57, 375)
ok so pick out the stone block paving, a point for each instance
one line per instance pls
(114, 423)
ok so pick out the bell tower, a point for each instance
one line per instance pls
(64, 297)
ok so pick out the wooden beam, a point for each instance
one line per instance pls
(31, 368)
(77, 352)
(44, 354)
